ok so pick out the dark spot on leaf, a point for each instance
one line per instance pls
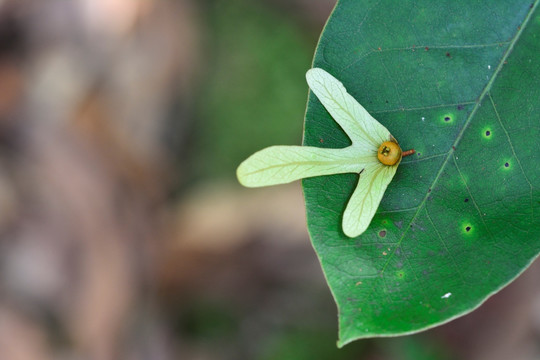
(488, 133)
(466, 200)
(419, 154)
(448, 55)
(460, 107)
(468, 228)
(447, 118)
(387, 101)
(453, 148)
(506, 164)
(382, 233)
(531, 6)
(321, 141)
(429, 190)
(426, 48)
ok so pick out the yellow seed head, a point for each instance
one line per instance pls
(389, 153)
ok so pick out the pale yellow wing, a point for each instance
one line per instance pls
(366, 198)
(283, 164)
(362, 128)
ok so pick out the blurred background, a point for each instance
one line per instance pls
(123, 231)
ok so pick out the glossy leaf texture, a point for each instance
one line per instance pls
(458, 81)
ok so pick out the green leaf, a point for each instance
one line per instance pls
(459, 82)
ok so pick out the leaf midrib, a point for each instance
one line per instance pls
(481, 97)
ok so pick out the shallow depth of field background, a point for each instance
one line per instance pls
(123, 231)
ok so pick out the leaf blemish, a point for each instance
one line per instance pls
(382, 233)
(447, 118)
(466, 200)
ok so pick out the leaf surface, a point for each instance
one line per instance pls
(458, 81)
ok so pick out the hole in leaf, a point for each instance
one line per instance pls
(447, 118)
